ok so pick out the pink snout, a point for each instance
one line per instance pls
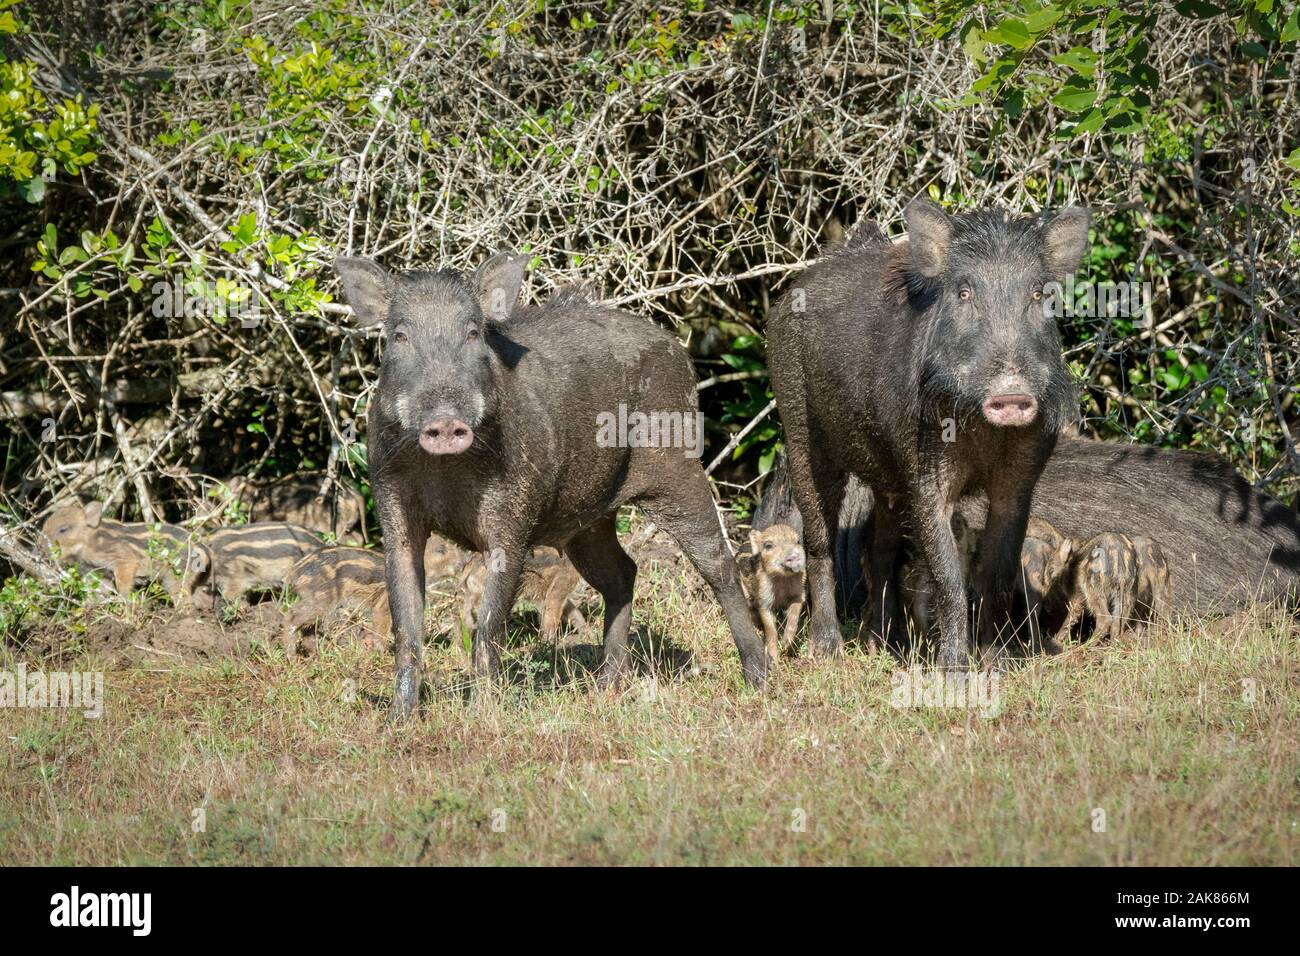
(794, 561)
(1012, 409)
(446, 436)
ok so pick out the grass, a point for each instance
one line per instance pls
(290, 760)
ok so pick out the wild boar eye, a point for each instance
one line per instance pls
(400, 336)
(767, 545)
(472, 334)
(1038, 293)
(964, 294)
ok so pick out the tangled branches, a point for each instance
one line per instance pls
(168, 311)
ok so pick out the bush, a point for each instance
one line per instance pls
(170, 313)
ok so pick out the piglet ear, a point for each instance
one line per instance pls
(1065, 240)
(929, 233)
(754, 541)
(94, 512)
(365, 284)
(498, 281)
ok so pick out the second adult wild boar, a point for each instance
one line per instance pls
(485, 427)
(928, 369)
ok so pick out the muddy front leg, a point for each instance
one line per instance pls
(504, 567)
(884, 617)
(932, 520)
(998, 563)
(404, 576)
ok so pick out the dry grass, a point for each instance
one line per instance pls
(684, 766)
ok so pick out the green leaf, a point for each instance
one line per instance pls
(1079, 60)
(1014, 104)
(1040, 20)
(1291, 29)
(1075, 100)
(997, 73)
(1197, 9)
(1013, 33)
(973, 43)
(33, 190)
(1090, 123)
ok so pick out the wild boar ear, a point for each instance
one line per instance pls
(1065, 240)
(754, 540)
(929, 232)
(365, 284)
(498, 281)
(94, 512)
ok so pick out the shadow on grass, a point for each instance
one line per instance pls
(533, 663)
(557, 665)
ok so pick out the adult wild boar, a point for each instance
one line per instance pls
(484, 429)
(929, 369)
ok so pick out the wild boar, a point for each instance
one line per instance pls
(131, 553)
(333, 581)
(1233, 544)
(501, 428)
(929, 369)
(548, 581)
(775, 584)
(1117, 581)
(255, 557)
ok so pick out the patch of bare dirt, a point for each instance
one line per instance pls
(165, 637)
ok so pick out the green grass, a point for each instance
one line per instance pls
(291, 761)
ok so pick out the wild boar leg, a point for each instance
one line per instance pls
(124, 576)
(689, 516)
(573, 617)
(603, 563)
(818, 495)
(768, 619)
(999, 562)
(404, 576)
(381, 621)
(884, 620)
(791, 625)
(555, 605)
(932, 520)
(505, 566)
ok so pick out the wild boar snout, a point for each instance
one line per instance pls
(446, 436)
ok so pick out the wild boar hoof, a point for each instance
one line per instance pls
(826, 643)
(954, 659)
(756, 672)
(610, 677)
(406, 697)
